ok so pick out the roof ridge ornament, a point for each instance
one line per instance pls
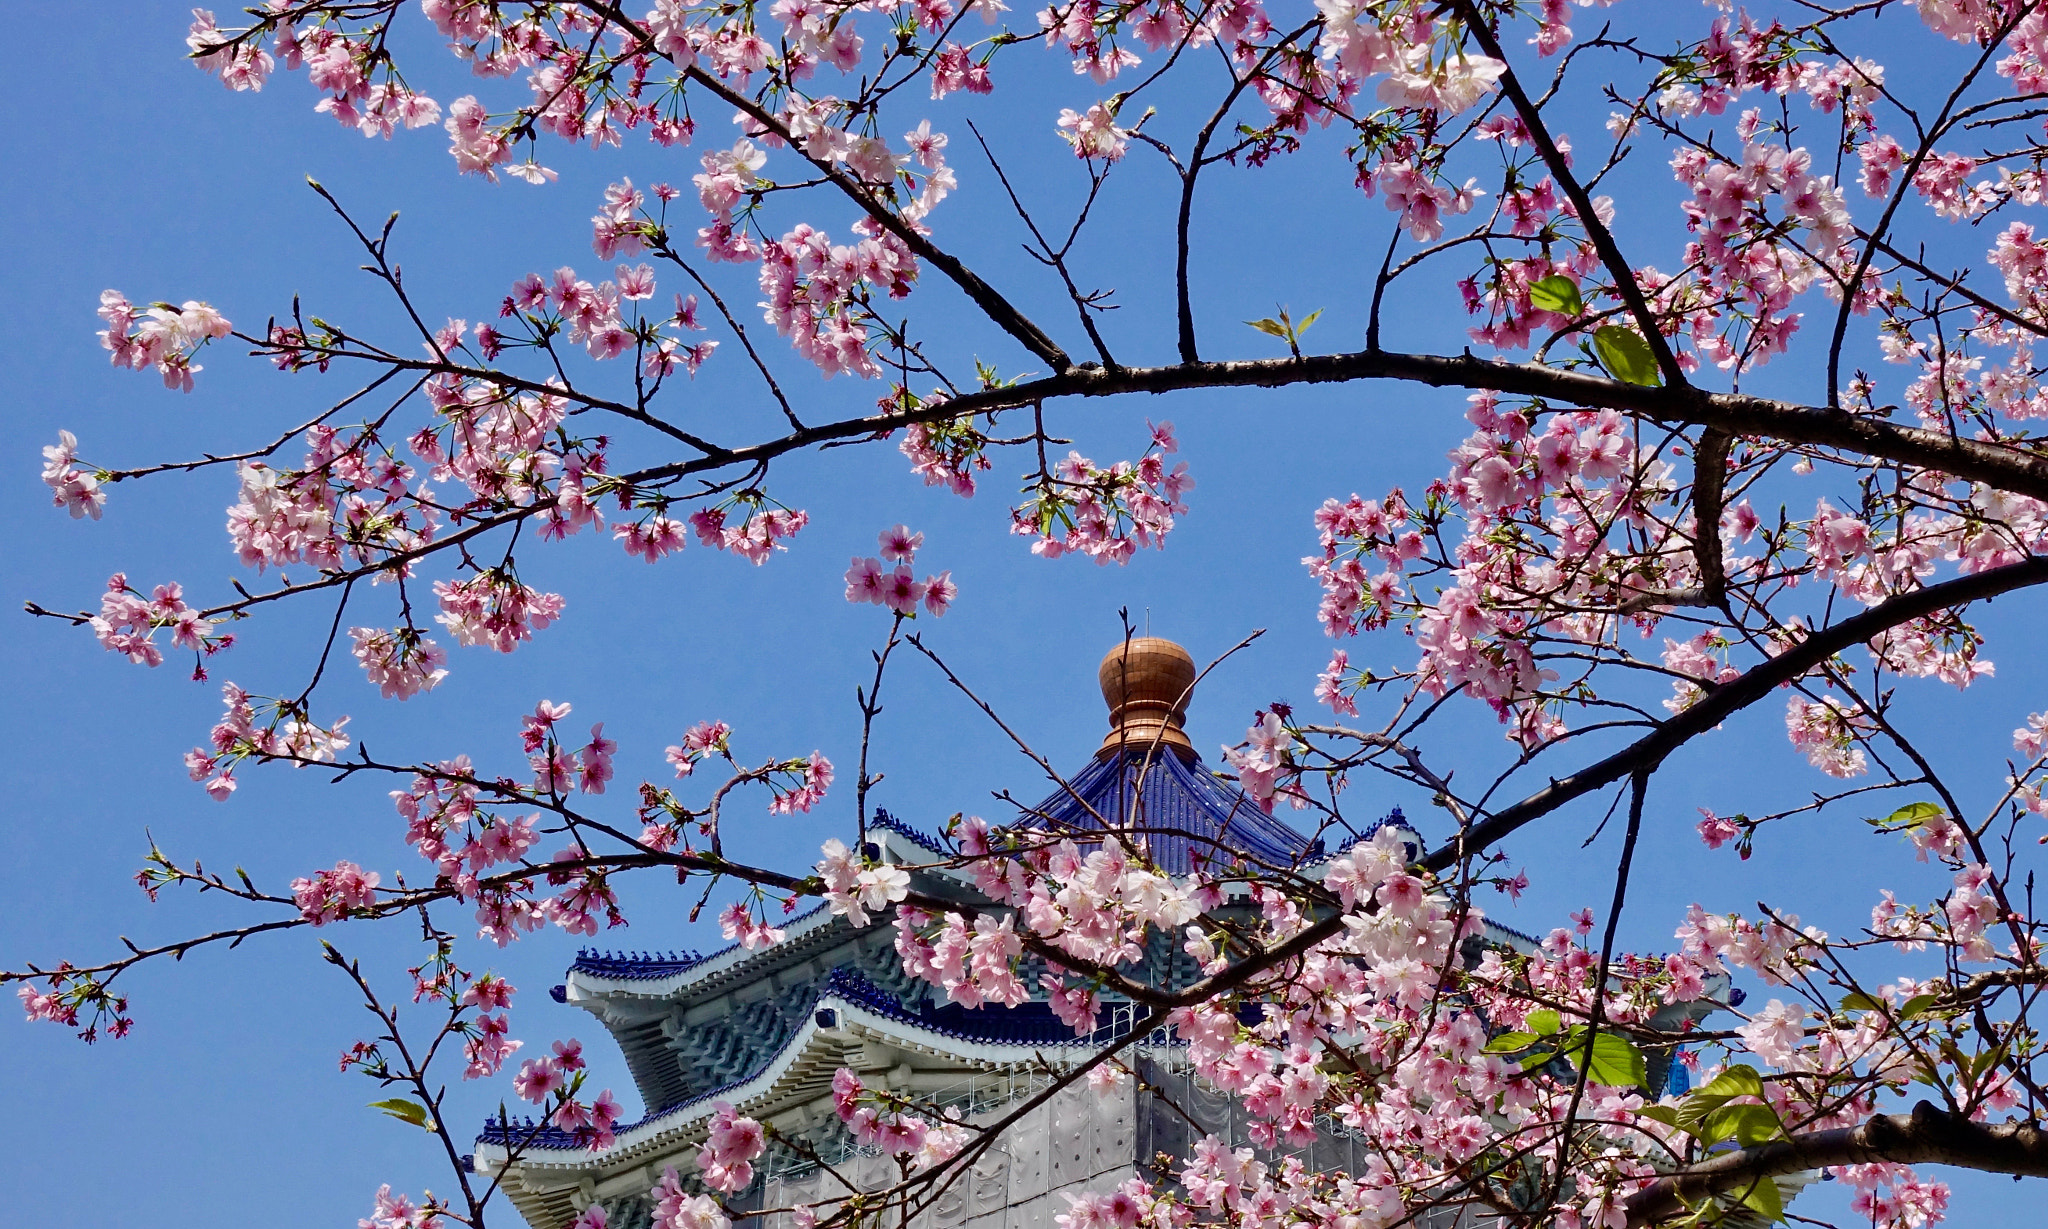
(1147, 682)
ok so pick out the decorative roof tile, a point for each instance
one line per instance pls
(883, 819)
(633, 966)
(1188, 818)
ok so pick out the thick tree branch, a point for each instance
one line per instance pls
(1926, 1136)
(1739, 414)
(1728, 699)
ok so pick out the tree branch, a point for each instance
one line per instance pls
(1728, 699)
(1926, 1136)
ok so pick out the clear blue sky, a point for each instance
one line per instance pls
(136, 172)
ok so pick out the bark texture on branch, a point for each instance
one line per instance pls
(2005, 467)
(1927, 1136)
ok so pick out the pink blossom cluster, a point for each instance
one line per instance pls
(1095, 906)
(494, 609)
(854, 887)
(873, 580)
(1093, 133)
(558, 1077)
(400, 1212)
(287, 733)
(1077, 1007)
(944, 453)
(1700, 658)
(351, 497)
(879, 1121)
(754, 535)
(593, 1125)
(557, 767)
(588, 315)
(974, 963)
(1422, 200)
(489, 1042)
(1106, 514)
(700, 742)
(1263, 760)
(731, 1144)
(128, 622)
(676, 1208)
(1827, 731)
(1772, 949)
(1355, 533)
(331, 895)
(651, 537)
(501, 445)
(399, 661)
(1717, 830)
(797, 785)
(1407, 50)
(738, 923)
(163, 337)
(446, 825)
(817, 292)
(71, 488)
(343, 68)
(243, 66)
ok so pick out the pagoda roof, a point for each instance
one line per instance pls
(849, 1009)
(1187, 817)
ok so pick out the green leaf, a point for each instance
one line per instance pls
(1747, 1125)
(1763, 1199)
(405, 1111)
(1988, 1059)
(1666, 1114)
(1543, 1022)
(1267, 324)
(1737, 1081)
(1307, 320)
(1913, 814)
(1625, 355)
(1614, 1061)
(1917, 1004)
(1508, 1043)
(1557, 294)
(1858, 1002)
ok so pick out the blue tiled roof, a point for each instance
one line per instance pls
(1190, 817)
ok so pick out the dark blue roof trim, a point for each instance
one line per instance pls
(1392, 819)
(1191, 817)
(633, 966)
(1030, 1023)
(645, 966)
(640, 966)
(883, 819)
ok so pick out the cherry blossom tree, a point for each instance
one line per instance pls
(1629, 548)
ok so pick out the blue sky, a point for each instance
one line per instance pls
(141, 174)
